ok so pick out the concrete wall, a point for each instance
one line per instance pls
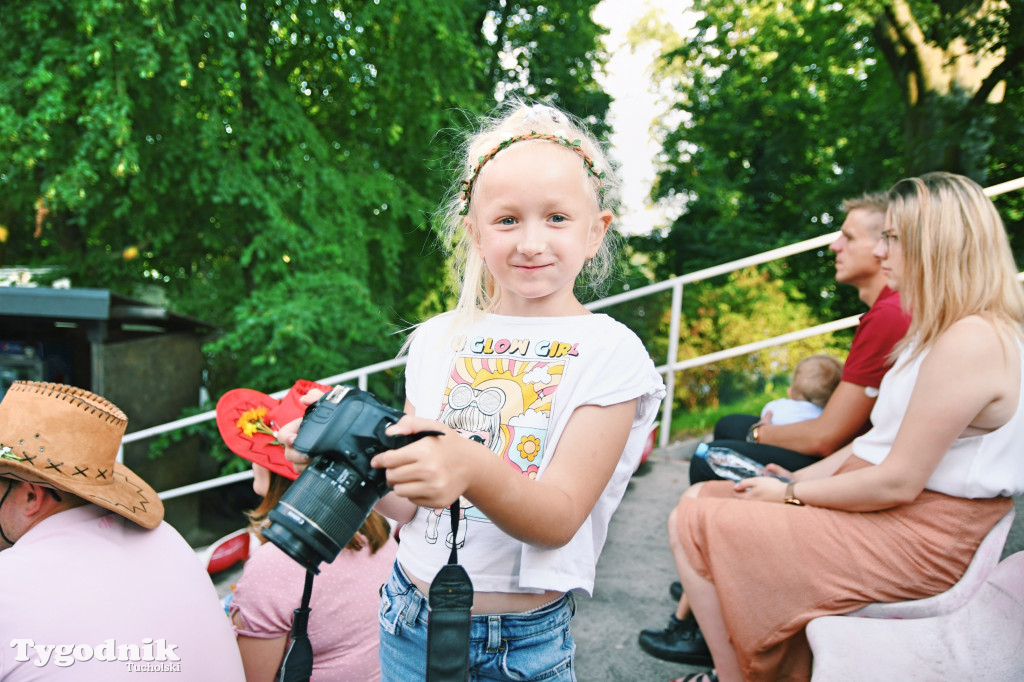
(153, 379)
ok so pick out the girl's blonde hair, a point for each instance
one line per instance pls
(518, 123)
(956, 257)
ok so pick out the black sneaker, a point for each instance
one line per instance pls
(676, 590)
(681, 642)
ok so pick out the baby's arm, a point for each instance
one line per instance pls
(434, 471)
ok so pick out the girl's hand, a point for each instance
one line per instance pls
(430, 472)
(762, 488)
(287, 433)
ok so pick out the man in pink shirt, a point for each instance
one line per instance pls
(93, 584)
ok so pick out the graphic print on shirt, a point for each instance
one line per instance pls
(500, 394)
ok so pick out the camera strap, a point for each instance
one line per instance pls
(297, 665)
(450, 600)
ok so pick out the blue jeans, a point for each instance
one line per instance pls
(536, 645)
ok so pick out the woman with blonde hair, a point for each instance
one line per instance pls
(932, 477)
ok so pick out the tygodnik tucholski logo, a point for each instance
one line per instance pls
(152, 655)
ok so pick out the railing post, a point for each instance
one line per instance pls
(673, 355)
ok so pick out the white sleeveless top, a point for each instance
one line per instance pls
(988, 465)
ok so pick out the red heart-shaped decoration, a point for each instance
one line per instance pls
(247, 420)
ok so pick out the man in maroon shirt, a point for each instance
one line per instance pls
(847, 413)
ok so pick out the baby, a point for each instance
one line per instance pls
(814, 379)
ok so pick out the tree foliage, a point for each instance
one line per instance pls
(781, 110)
(718, 315)
(272, 165)
(952, 62)
(268, 165)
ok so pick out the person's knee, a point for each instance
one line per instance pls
(734, 426)
(673, 531)
(689, 493)
(693, 490)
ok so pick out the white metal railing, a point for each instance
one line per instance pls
(672, 365)
(668, 369)
(359, 375)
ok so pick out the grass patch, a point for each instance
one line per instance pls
(694, 424)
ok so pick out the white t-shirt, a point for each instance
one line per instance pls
(512, 383)
(789, 411)
(988, 465)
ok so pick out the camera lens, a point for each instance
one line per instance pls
(320, 512)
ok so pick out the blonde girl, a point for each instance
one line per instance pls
(527, 220)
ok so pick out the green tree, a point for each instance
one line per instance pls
(952, 62)
(270, 166)
(551, 51)
(784, 109)
(748, 306)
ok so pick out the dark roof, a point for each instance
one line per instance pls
(75, 305)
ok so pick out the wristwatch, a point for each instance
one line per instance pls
(752, 434)
(791, 497)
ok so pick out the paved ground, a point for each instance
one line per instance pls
(633, 577)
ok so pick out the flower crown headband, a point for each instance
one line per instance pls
(575, 145)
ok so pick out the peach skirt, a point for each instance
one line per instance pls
(776, 567)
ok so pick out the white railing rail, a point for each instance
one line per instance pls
(671, 366)
(668, 369)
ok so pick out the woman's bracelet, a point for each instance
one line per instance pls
(791, 497)
(753, 434)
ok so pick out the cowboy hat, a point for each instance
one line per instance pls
(247, 421)
(67, 438)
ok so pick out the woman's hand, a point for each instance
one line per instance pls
(774, 468)
(432, 471)
(762, 488)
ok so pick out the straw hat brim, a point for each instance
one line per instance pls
(67, 438)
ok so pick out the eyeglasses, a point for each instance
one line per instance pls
(890, 238)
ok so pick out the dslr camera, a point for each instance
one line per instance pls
(331, 499)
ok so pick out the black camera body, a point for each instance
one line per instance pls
(331, 499)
